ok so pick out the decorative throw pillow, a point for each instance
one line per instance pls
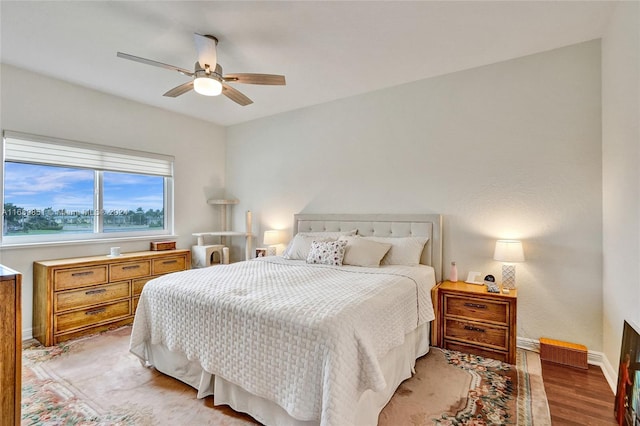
(298, 248)
(363, 252)
(327, 252)
(404, 250)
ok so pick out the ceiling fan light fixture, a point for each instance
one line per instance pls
(207, 85)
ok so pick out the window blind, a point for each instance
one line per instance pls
(24, 148)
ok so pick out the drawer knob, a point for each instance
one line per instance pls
(169, 262)
(81, 274)
(97, 291)
(475, 305)
(96, 311)
(472, 328)
(131, 267)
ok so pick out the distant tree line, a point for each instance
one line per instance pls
(19, 219)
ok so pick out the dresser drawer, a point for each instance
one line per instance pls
(74, 299)
(476, 309)
(65, 279)
(91, 316)
(483, 334)
(123, 271)
(169, 264)
(138, 285)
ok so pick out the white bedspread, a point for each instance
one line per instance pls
(307, 337)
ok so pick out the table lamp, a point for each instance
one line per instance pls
(509, 251)
(271, 239)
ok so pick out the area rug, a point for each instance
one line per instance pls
(96, 381)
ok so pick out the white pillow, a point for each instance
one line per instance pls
(298, 248)
(364, 252)
(404, 250)
(327, 252)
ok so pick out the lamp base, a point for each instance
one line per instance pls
(271, 251)
(508, 276)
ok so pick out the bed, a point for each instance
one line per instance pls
(297, 343)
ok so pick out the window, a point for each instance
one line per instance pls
(55, 190)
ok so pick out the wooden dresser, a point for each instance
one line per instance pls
(472, 320)
(10, 346)
(84, 295)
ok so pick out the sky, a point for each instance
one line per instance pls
(38, 187)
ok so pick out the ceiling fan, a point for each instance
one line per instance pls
(208, 78)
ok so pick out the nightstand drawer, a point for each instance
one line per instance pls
(79, 277)
(75, 299)
(477, 333)
(476, 309)
(123, 271)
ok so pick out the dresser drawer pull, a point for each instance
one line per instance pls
(169, 262)
(131, 267)
(81, 274)
(475, 305)
(472, 328)
(97, 291)
(96, 311)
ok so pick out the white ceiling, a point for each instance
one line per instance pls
(327, 49)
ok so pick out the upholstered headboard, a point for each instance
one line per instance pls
(383, 225)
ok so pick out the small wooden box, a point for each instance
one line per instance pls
(565, 353)
(163, 245)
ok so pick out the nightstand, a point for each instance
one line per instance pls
(470, 319)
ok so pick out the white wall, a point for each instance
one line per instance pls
(621, 176)
(36, 104)
(506, 150)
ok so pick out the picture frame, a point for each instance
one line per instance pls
(261, 252)
(626, 408)
(474, 278)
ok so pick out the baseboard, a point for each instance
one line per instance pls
(27, 334)
(593, 358)
(528, 344)
(601, 360)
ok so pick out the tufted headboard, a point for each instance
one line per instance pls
(383, 225)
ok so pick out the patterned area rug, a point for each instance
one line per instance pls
(453, 388)
(96, 381)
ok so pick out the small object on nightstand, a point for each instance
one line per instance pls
(453, 274)
(490, 282)
(505, 290)
(474, 278)
(493, 288)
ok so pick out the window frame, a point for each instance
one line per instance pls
(165, 170)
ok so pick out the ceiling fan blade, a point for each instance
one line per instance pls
(154, 63)
(270, 79)
(206, 47)
(180, 90)
(235, 95)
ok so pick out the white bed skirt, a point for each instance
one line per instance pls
(397, 366)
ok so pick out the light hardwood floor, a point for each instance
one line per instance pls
(578, 397)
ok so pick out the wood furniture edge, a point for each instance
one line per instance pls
(14, 350)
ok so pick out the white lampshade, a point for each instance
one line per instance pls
(508, 251)
(207, 85)
(271, 237)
